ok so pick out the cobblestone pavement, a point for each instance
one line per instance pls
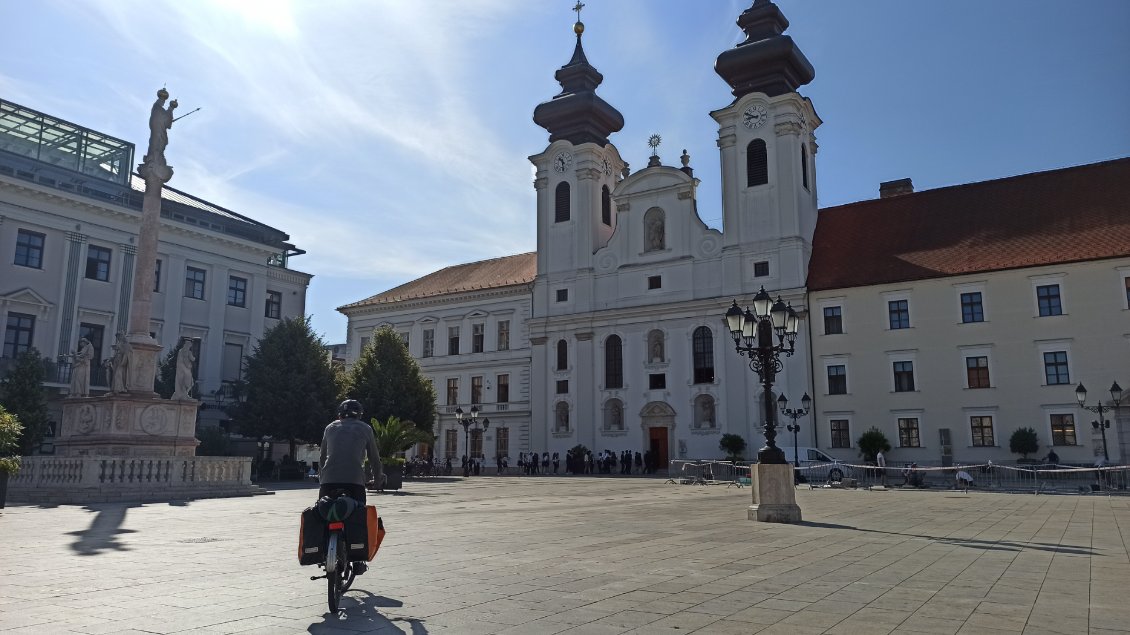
(581, 555)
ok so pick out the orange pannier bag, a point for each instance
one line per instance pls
(376, 528)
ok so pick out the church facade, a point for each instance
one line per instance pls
(617, 340)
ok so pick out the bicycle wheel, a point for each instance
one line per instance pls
(335, 556)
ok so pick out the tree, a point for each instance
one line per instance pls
(872, 442)
(395, 436)
(10, 429)
(166, 380)
(733, 445)
(289, 385)
(388, 383)
(21, 393)
(1024, 441)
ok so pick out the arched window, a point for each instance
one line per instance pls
(655, 352)
(562, 355)
(561, 419)
(756, 163)
(703, 346)
(561, 203)
(606, 206)
(614, 362)
(704, 412)
(613, 415)
(655, 234)
(804, 166)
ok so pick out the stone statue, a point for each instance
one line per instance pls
(707, 415)
(655, 237)
(562, 418)
(119, 364)
(184, 381)
(80, 369)
(617, 418)
(160, 120)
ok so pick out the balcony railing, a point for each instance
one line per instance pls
(59, 372)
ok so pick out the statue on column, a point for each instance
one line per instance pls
(119, 364)
(80, 369)
(160, 120)
(184, 381)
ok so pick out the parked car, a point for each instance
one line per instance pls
(810, 457)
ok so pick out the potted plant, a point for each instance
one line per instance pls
(10, 430)
(393, 437)
(871, 443)
(733, 445)
(1024, 441)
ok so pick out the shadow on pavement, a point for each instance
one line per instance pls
(362, 614)
(993, 545)
(102, 534)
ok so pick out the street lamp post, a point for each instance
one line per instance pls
(467, 420)
(794, 414)
(753, 334)
(1102, 424)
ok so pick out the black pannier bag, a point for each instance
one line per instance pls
(357, 535)
(312, 538)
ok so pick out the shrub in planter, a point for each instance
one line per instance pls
(733, 445)
(1024, 441)
(872, 442)
(394, 436)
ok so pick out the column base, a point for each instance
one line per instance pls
(774, 494)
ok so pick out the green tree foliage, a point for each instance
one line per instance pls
(872, 442)
(733, 445)
(10, 429)
(289, 385)
(388, 383)
(394, 436)
(1024, 441)
(21, 393)
(165, 383)
(213, 442)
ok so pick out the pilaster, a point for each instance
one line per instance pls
(69, 309)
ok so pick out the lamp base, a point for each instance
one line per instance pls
(774, 494)
(771, 455)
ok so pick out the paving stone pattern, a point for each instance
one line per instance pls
(581, 556)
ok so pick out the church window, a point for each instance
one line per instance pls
(562, 386)
(655, 238)
(761, 269)
(562, 355)
(562, 295)
(654, 282)
(756, 163)
(804, 166)
(561, 203)
(703, 345)
(657, 381)
(605, 206)
(614, 362)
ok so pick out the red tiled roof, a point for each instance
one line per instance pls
(1069, 215)
(485, 274)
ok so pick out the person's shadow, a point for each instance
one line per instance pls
(102, 534)
(359, 611)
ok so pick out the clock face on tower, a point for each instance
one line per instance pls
(606, 167)
(562, 161)
(754, 116)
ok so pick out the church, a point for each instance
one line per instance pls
(946, 318)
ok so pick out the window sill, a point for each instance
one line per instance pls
(705, 431)
(562, 435)
(609, 433)
(974, 447)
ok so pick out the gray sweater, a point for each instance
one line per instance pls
(344, 446)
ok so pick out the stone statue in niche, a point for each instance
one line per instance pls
(617, 418)
(119, 364)
(184, 380)
(562, 418)
(656, 348)
(80, 369)
(706, 413)
(655, 233)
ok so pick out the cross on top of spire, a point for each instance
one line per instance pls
(580, 5)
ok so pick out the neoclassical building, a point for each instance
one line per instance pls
(616, 333)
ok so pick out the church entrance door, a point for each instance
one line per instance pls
(657, 438)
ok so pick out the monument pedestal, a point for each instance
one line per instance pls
(128, 424)
(774, 495)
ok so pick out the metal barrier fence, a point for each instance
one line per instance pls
(708, 472)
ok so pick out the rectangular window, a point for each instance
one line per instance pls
(502, 442)
(977, 372)
(478, 332)
(562, 386)
(19, 334)
(841, 436)
(477, 443)
(477, 389)
(97, 263)
(1063, 430)
(237, 291)
(29, 249)
(1126, 281)
(194, 283)
(1047, 297)
(450, 443)
(837, 380)
(982, 429)
(654, 282)
(899, 313)
(833, 320)
(503, 395)
(157, 277)
(233, 362)
(904, 376)
(453, 391)
(453, 340)
(429, 343)
(504, 335)
(908, 433)
(971, 309)
(657, 381)
(274, 304)
(1055, 368)
(562, 295)
(761, 269)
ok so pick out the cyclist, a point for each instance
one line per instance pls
(345, 444)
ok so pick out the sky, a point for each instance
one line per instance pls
(390, 138)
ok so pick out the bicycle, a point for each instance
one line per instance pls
(337, 565)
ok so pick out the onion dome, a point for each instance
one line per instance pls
(767, 61)
(577, 114)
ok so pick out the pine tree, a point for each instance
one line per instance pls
(388, 383)
(21, 393)
(289, 385)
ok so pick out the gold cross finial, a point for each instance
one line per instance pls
(580, 5)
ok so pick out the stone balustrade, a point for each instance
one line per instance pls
(87, 479)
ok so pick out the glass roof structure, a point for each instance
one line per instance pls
(40, 136)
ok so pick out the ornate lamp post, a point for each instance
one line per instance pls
(467, 420)
(763, 335)
(1102, 424)
(794, 414)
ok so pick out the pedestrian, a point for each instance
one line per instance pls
(639, 463)
(1052, 458)
(881, 463)
(545, 462)
(556, 462)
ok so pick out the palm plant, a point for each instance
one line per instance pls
(395, 435)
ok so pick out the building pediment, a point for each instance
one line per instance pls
(27, 299)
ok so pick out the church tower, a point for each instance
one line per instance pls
(575, 176)
(766, 140)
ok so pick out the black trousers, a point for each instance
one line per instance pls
(355, 491)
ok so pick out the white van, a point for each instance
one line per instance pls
(812, 457)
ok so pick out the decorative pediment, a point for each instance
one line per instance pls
(27, 299)
(657, 409)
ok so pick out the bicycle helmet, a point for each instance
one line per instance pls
(350, 408)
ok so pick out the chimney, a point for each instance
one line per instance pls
(896, 188)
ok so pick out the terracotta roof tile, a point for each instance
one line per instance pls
(485, 274)
(1069, 215)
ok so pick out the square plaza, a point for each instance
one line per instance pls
(581, 555)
